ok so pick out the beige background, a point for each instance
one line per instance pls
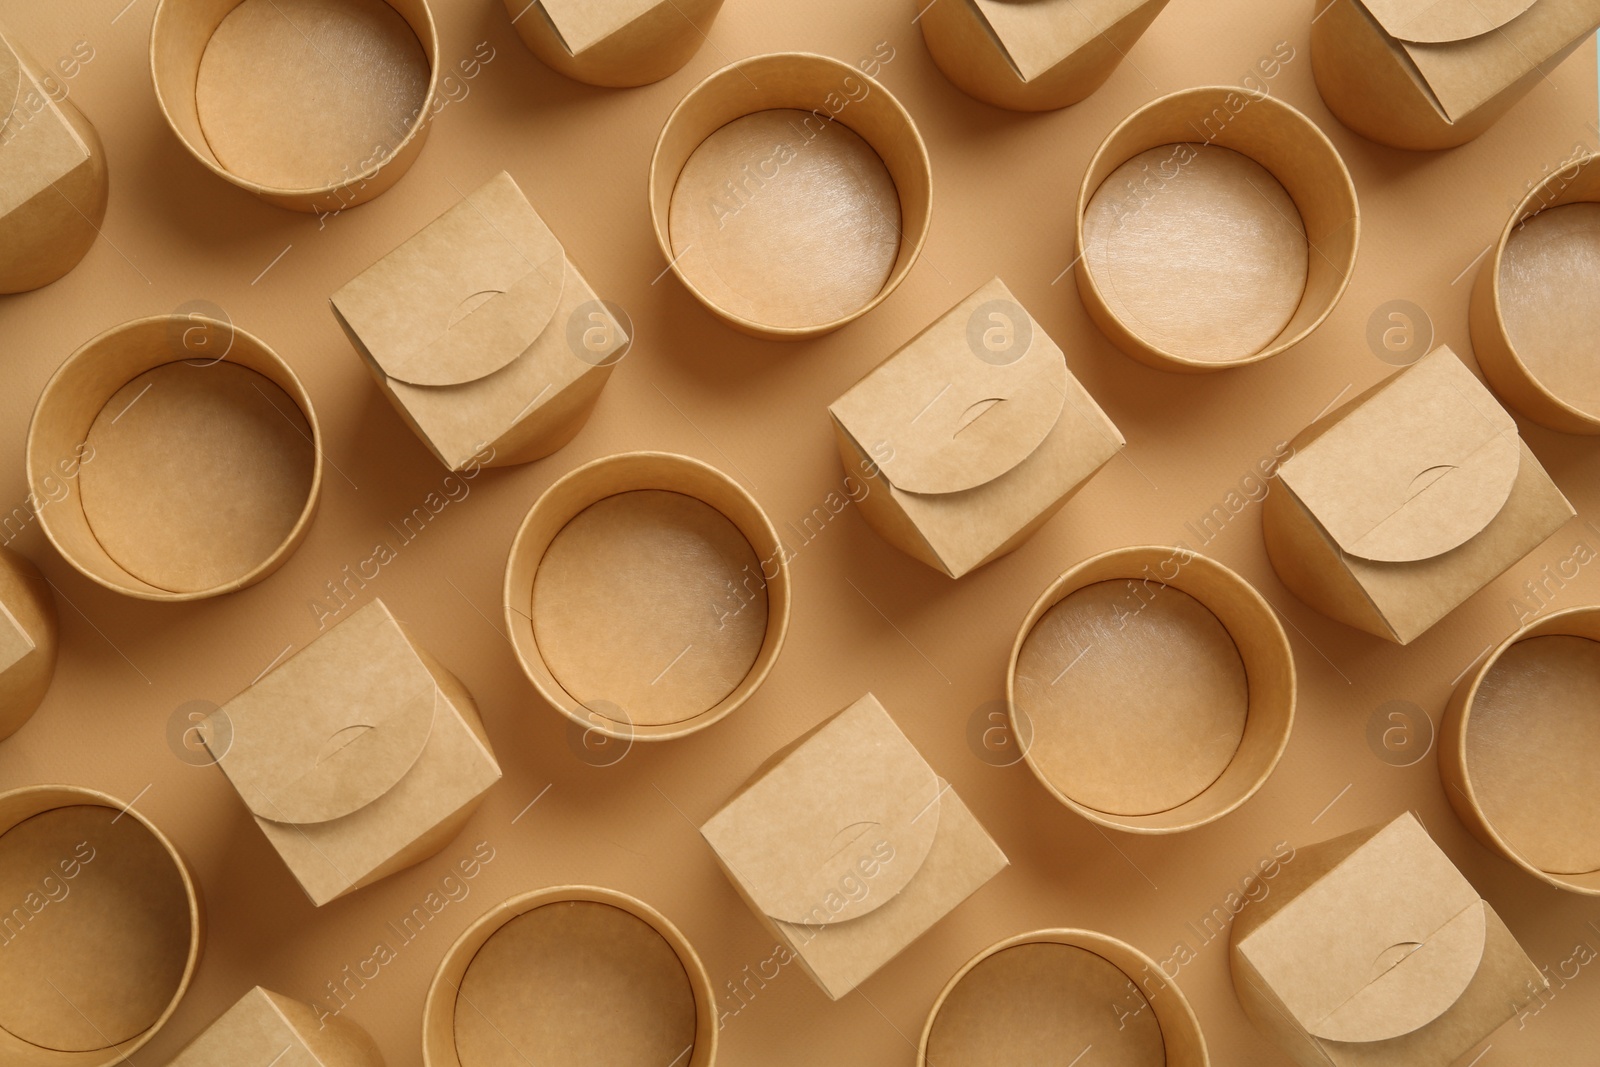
(865, 617)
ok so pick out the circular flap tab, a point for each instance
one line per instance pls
(1437, 21)
(838, 827)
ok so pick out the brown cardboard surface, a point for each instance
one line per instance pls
(614, 44)
(756, 410)
(30, 639)
(359, 756)
(267, 1028)
(782, 270)
(583, 23)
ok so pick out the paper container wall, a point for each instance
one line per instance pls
(29, 640)
(1536, 308)
(1165, 274)
(1517, 745)
(647, 595)
(1032, 57)
(310, 107)
(1426, 76)
(570, 975)
(616, 45)
(53, 178)
(790, 193)
(1197, 667)
(268, 1028)
(102, 929)
(1042, 996)
(190, 455)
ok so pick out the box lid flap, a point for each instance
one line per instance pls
(15, 643)
(464, 297)
(1038, 34)
(584, 23)
(1422, 466)
(1440, 21)
(10, 81)
(335, 727)
(1378, 947)
(797, 836)
(964, 401)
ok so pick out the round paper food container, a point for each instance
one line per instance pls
(567, 977)
(790, 194)
(29, 639)
(197, 455)
(103, 930)
(1216, 228)
(312, 105)
(1536, 307)
(1152, 689)
(647, 595)
(1042, 997)
(647, 49)
(1517, 747)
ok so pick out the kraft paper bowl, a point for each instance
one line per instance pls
(104, 933)
(202, 495)
(649, 48)
(331, 129)
(758, 285)
(1495, 764)
(989, 1003)
(1123, 761)
(1548, 370)
(640, 614)
(25, 672)
(1180, 297)
(583, 928)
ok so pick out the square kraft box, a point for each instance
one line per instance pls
(979, 431)
(273, 1030)
(482, 333)
(1374, 951)
(848, 846)
(1429, 74)
(1398, 506)
(359, 756)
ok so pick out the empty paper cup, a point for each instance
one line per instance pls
(1517, 750)
(1052, 995)
(103, 932)
(647, 595)
(570, 976)
(1152, 688)
(790, 194)
(200, 458)
(1216, 227)
(312, 105)
(1536, 305)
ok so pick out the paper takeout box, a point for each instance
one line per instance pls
(979, 431)
(29, 638)
(1033, 55)
(271, 1030)
(359, 756)
(53, 182)
(615, 43)
(848, 846)
(1373, 950)
(481, 332)
(1401, 504)
(1428, 74)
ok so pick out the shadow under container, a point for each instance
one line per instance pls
(646, 595)
(1216, 228)
(1039, 997)
(105, 930)
(311, 105)
(1536, 308)
(614, 45)
(199, 458)
(1517, 750)
(1196, 665)
(576, 975)
(790, 193)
